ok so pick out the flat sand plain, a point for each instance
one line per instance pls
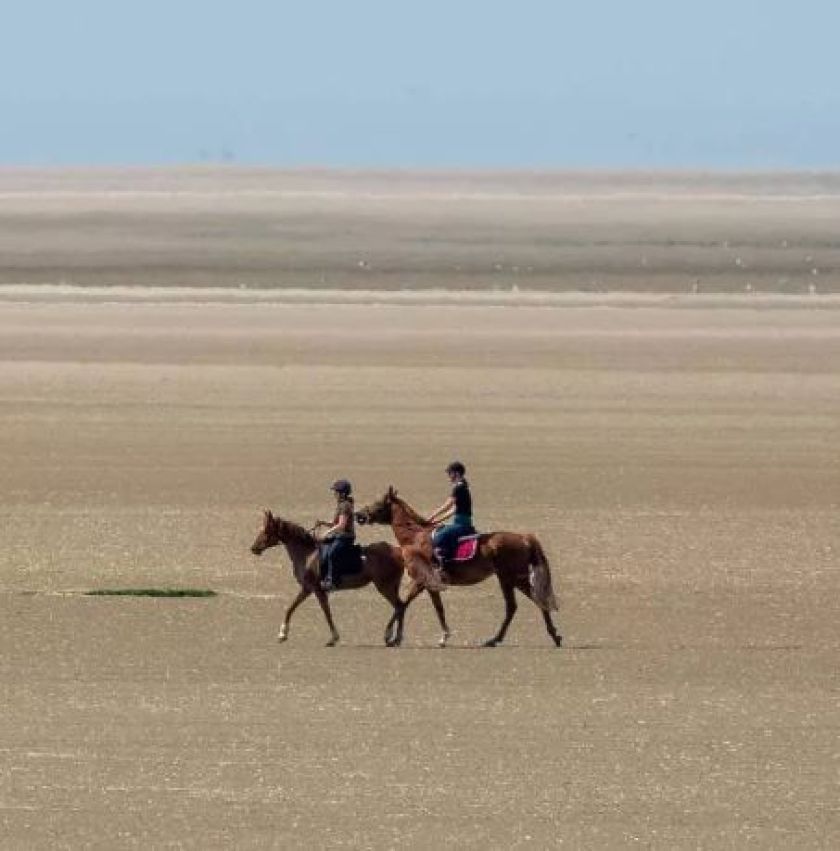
(678, 458)
(561, 231)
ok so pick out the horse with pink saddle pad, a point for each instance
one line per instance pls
(517, 559)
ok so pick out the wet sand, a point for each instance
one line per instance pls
(555, 231)
(678, 459)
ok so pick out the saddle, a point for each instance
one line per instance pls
(465, 549)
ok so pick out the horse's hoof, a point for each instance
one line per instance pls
(444, 639)
(332, 642)
(490, 643)
(558, 640)
(281, 637)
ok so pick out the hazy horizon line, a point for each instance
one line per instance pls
(446, 170)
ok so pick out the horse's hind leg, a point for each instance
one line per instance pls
(391, 593)
(438, 604)
(525, 588)
(284, 629)
(325, 607)
(552, 630)
(510, 611)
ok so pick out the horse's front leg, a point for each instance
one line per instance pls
(438, 604)
(325, 607)
(284, 629)
(414, 591)
(389, 628)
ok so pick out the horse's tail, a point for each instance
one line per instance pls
(540, 575)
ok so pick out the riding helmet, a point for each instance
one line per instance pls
(458, 468)
(342, 486)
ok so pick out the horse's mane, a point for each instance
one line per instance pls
(304, 536)
(413, 515)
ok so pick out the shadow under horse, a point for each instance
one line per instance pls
(382, 564)
(517, 560)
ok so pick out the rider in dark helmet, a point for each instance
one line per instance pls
(341, 534)
(458, 507)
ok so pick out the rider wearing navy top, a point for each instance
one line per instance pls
(459, 508)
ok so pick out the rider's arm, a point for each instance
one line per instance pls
(340, 526)
(444, 512)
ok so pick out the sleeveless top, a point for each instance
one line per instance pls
(463, 503)
(345, 509)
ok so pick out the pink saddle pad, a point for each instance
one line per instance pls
(466, 548)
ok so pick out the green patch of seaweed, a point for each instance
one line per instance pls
(151, 592)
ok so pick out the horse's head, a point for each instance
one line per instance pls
(269, 534)
(379, 511)
(276, 531)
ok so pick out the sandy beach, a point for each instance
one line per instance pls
(676, 452)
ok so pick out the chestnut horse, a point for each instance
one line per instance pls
(382, 565)
(517, 560)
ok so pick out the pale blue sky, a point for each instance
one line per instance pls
(526, 83)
